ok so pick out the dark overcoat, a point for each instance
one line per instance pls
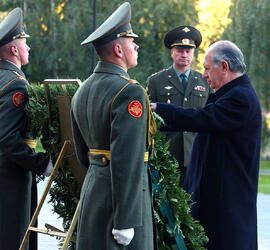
(165, 86)
(116, 193)
(18, 162)
(224, 163)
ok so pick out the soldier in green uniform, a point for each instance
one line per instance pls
(111, 123)
(19, 163)
(181, 85)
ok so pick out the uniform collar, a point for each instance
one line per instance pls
(7, 65)
(241, 80)
(110, 68)
(178, 73)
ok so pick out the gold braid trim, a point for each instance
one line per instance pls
(11, 81)
(31, 143)
(114, 100)
(6, 85)
(19, 76)
(107, 153)
(151, 123)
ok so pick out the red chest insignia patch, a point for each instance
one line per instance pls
(18, 99)
(135, 109)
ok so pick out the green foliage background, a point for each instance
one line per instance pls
(249, 29)
(56, 51)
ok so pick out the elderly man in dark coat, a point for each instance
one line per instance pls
(19, 163)
(224, 163)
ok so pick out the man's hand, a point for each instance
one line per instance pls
(123, 236)
(48, 169)
(153, 106)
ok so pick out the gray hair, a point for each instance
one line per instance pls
(227, 51)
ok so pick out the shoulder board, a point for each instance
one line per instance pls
(6, 85)
(19, 76)
(12, 80)
(129, 80)
(158, 72)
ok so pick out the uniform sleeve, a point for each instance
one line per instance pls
(151, 89)
(128, 145)
(81, 148)
(226, 114)
(12, 116)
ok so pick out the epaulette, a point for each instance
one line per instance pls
(12, 80)
(158, 72)
(129, 80)
(19, 76)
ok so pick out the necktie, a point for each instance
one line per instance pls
(184, 81)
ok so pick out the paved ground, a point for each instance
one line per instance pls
(265, 172)
(50, 243)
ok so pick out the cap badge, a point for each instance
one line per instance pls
(18, 99)
(186, 29)
(135, 109)
(185, 41)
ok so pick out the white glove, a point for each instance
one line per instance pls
(123, 236)
(153, 106)
(48, 169)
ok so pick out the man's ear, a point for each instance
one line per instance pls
(118, 50)
(14, 50)
(171, 53)
(225, 66)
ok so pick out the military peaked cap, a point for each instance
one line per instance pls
(117, 25)
(11, 27)
(183, 36)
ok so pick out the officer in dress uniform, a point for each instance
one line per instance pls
(19, 163)
(181, 85)
(112, 129)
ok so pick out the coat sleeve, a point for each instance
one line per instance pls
(12, 117)
(81, 148)
(226, 114)
(151, 89)
(127, 146)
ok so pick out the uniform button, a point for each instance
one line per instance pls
(169, 101)
(185, 99)
(168, 93)
(103, 159)
(200, 95)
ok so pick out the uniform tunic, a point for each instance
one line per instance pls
(18, 162)
(223, 171)
(116, 193)
(165, 86)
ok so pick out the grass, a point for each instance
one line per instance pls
(264, 180)
(264, 184)
(264, 165)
